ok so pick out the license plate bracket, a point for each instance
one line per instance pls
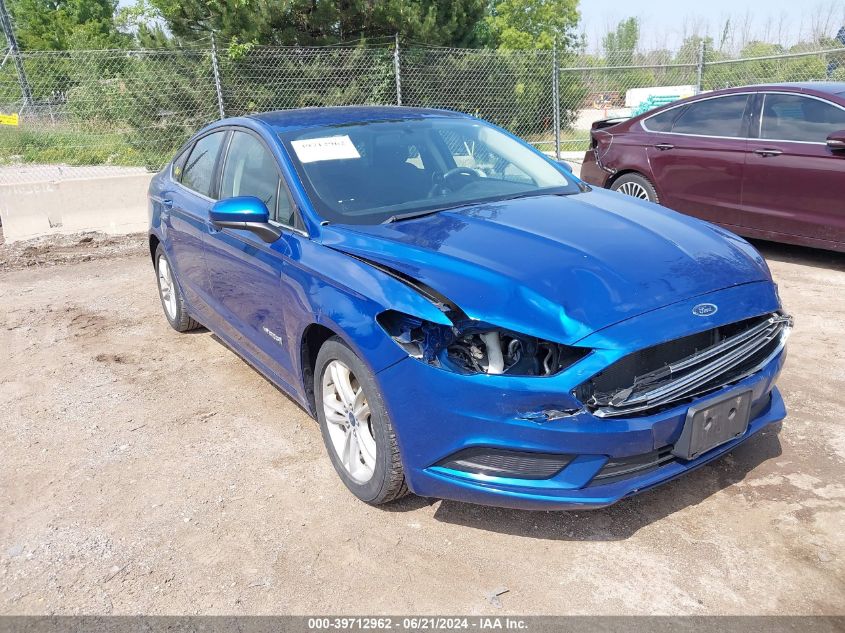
(713, 423)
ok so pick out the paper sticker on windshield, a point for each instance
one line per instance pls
(311, 150)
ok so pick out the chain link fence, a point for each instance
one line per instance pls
(78, 113)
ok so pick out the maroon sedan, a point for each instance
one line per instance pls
(763, 161)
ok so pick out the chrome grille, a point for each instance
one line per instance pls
(652, 379)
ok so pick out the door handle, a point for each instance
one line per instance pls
(167, 203)
(768, 152)
(664, 146)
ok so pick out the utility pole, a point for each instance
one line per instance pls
(6, 23)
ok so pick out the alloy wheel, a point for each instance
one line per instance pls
(349, 422)
(633, 189)
(167, 288)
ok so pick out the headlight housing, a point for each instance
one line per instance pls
(474, 347)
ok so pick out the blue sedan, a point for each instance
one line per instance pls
(465, 318)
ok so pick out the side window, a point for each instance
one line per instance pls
(722, 116)
(797, 118)
(663, 122)
(198, 172)
(250, 170)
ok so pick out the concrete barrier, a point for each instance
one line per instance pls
(115, 204)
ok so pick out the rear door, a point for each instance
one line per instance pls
(248, 275)
(794, 183)
(698, 163)
(186, 206)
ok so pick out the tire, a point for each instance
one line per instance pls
(636, 186)
(172, 301)
(351, 440)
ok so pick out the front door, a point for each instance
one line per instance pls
(246, 272)
(794, 183)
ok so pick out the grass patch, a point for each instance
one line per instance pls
(75, 147)
(570, 140)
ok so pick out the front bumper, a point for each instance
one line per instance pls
(437, 413)
(442, 430)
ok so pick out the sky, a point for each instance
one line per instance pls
(664, 23)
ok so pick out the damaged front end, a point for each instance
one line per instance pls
(474, 347)
(679, 370)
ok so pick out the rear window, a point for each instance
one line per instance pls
(198, 171)
(720, 116)
(663, 122)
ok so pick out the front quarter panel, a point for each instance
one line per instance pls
(346, 295)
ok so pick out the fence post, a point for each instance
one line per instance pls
(6, 23)
(397, 71)
(699, 70)
(218, 88)
(556, 98)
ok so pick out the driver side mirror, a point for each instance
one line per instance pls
(244, 213)
(836, 140)
(565, 165)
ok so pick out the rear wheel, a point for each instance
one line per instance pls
(636, 186)
(170, 295)
(356, 428)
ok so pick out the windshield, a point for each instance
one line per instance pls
(389, 170)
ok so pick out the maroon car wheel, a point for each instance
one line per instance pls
(636, 186)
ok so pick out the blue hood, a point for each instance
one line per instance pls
(558, 267)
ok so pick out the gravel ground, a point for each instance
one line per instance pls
(143, 471)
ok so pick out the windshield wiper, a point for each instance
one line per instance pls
(525, 194)
(537, 194)
(407, 216)
(418, 214)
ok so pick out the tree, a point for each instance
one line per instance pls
(66, 24)
(527, 24)
(320, 22)
(620, 45)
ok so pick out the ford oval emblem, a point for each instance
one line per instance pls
(705, 309)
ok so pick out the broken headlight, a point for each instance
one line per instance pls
(472, 347)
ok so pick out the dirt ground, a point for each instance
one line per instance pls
(144, 471)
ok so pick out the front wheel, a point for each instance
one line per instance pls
(636, 186)
(356, 428)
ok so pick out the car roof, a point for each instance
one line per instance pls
(830, 87)
(301, 118)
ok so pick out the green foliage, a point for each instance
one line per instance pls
(66, 24)
(620, 49)
(761, 65)
(621, 44)
(66, 145)
(320, 22)
(532, 24)
(297, 78)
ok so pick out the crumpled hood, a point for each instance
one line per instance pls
(558, 267)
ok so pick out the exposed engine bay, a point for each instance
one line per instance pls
(472, 347)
